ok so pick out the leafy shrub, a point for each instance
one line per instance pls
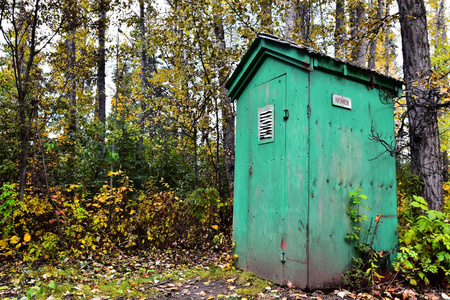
(161, 219)
(424, 252)
(72, 222)
(408, 184)
(21, 220)
(364, 270)
(357, 198)
(447, 196)
(7, 207)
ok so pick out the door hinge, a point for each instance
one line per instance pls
(308, 111)
(283, 256)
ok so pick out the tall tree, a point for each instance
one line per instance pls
(23, 27)
(437, 27)
(143, 74)
(298, 20)
(339, 30)
(358, 33)
(101, 71)
(227, 107)
(70, 11)
(387, 51)
(375, 29)
(440, 63)
(422, 101)
(441, 28)
(102, 8)
(266, 20)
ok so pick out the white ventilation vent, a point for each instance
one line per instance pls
(265, 123)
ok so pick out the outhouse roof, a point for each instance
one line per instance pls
(266, 45)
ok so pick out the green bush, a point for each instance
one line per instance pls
(72, 222)
(7, 207)
(424, 252)
(364, 270)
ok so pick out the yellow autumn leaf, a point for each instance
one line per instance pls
(3, 244)
(215, 227)
(14, 239)
(27, 237)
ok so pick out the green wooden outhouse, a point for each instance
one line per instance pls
(304, 139)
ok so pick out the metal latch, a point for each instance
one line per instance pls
(283, 256)
(286, 114)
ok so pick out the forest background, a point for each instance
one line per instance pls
(156, 170)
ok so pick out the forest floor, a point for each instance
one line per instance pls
(169, 275)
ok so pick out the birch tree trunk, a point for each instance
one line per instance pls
(422, 103)
(387, 52)
(266, 20)
(441, 28)
(143, 75)
(373, 41)
(441, 40)
(297, 21)
(340, 28)
(358, 32)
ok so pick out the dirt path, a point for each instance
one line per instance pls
(221, 289)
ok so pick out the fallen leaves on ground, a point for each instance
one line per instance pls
(170, 274)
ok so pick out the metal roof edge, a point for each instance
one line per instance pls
(243, 64)
(261, 47)
(251, 61)
(269, 37)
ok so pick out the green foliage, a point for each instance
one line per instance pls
(170, 163)
(356, 276)
(356, 216)
(114, 220)
(424, 253)
(200, 203)
(407, 184)
(28, 216)
(7, 207)
(364, 270)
